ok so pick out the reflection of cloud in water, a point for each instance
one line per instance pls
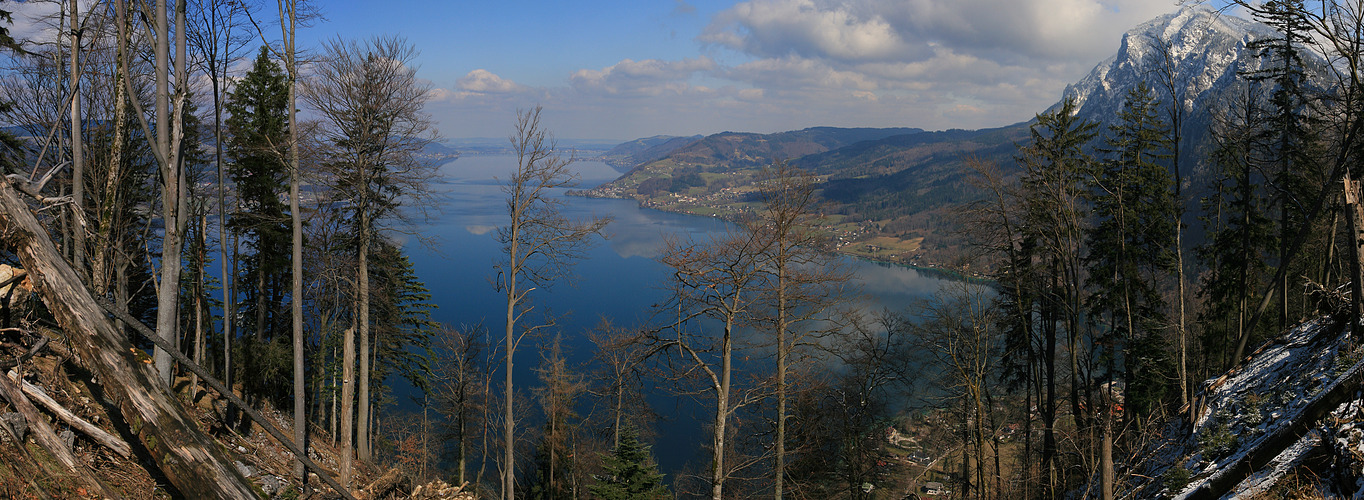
(479, 229)
(636, 245)
(884, 279)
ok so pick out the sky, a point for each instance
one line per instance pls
(624, 69)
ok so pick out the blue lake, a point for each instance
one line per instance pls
(619, 279)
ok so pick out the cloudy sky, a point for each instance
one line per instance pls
(622, 69)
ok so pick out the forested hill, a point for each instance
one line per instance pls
(627, 155)
(737, 150)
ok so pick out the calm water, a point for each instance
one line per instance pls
(619, 279)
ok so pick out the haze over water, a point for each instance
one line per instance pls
(619, 279)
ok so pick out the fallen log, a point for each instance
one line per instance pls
(11, 363)
(255, 416)
(37, 425)
(94, 432)
(47, 438)
(191, 461)
(386, 483)
(1339, 391)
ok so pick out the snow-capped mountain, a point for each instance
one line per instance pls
(1207, 50)
(1209, 53)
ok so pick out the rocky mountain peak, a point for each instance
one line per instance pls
(1206, 49)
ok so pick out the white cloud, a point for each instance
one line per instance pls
(801, 27)
(774, 65)
(907, 30)
(647, 78)
(36, 22)
(794, 72)
(481, 81)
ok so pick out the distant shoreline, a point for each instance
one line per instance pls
(938, 271)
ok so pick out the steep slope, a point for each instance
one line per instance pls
(1206, 51)
(905, 175)
(1205, 55)
(1290, 410)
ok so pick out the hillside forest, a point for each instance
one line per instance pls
(201, 212)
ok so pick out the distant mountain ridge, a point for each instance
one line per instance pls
(742, 149)
(892, 192)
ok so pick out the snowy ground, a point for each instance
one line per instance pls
(1237, 414)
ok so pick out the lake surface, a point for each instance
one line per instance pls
(619, 279)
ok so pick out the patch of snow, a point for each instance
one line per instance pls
(1264, 479)
(1263, 394)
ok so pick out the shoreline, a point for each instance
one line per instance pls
(943, 272)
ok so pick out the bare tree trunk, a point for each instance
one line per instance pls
(106, 245)
(77, 147)
(229, 279)
(288, 17)
(165, 294)
(1106, 454)
(509, 424)
(347, 403)
(199, 306)
(722, 412)
(1356, 227)
(780, 468)
(362, 417)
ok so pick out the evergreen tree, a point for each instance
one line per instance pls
(630, 472)
(1056, 166)
(403, 327)
(256, 146)
(1240, 239)
(1282, 147)
(1131, 248)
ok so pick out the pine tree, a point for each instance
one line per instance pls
(1283, 145)
(1056, 165)
(630, 472)
(403, 327)
(257, 140)
(1131, 247)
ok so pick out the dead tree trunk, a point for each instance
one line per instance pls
(1356, 220)
(190, 460)
(93, 432)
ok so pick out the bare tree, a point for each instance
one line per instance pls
(719, 280)
(170, 131)
(288, 27)
(77, 144)
(540, 244)
(1174, 84)
(805, 282)
(373, 127)
(958, 332)
(457, 389)
(621, 354)
(216, 35)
